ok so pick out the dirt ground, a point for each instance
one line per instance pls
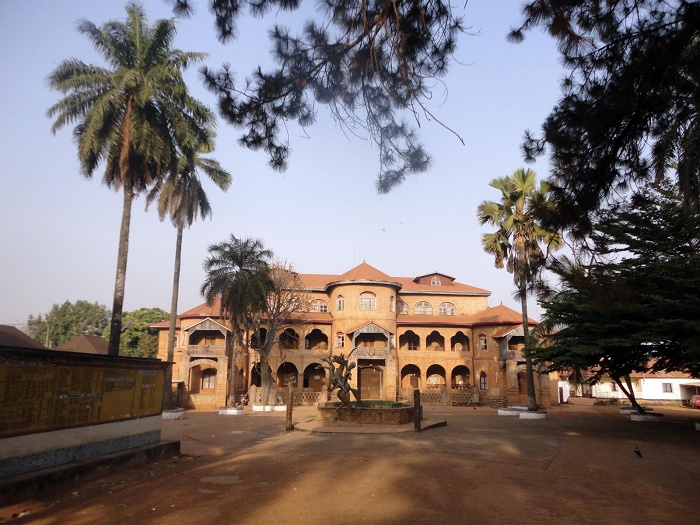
(576, 466)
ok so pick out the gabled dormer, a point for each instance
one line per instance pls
(434, 279)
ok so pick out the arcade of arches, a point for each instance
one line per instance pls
(428, 332)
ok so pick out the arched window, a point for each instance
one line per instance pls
(483, 342)
(401, 307)
(341, 303)
(423, 308)
(482, 381)
(368, 301)
(340, 340)
(319, 305)
(435, 281)
(447, 309)
(208, 379)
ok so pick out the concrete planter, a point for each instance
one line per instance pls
(366, 415)
(177, 413)
(540, 414)
(269, 408)
(231, 411)
(630, 410)
(511, 411)
(655, 418)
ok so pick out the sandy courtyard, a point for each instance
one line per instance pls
(577, 466)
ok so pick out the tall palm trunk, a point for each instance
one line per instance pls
(236, 334)
(120, 281)
(167, 386)
(529, 372)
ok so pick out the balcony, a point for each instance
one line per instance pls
(513, 353)
(205, 350)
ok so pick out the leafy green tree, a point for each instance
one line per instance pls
(138, 339)
(238, 276)
(633, 304)
(518, 242)
(368, 62)
(183, 198)
(66, 321)
(629, 108)
(132, 116)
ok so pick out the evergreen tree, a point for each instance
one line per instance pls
(370, 62)
(634, 304)
(629, 108)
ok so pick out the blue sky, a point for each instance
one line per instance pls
(323, 215)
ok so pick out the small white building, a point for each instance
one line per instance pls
(661, 386)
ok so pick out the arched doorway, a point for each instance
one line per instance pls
(461, 377)
(410, 377)
(314, 377)
(435, 376)
(287, 373)
(255, 376)
(370, 383)
(409, 341)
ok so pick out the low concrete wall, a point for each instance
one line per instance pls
(63, 407)
(377, 416)
(50, 449)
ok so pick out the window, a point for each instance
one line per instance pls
(613, 387)
(391, 303)
(482, 381)
(341, 303)
(413, 346)
(340, 340)
(667, 388)
(435, 281)
(368, 301)
(483, 343)
(447, 309)
(208, 379)
(319, 305)
(401, 307)
(423, 308)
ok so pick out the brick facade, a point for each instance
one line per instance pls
(429, 332)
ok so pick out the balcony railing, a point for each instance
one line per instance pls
(194, 350)
(516, 354)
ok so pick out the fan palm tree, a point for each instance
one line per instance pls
(518, 242)
(238, 275)
(183, 198)
(133, 115)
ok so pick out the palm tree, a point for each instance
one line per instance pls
(133, 115)
(182, 197)
(518, 242)
(238, 275)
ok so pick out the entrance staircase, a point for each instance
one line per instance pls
(498, 402)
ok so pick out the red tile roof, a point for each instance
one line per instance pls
(203, 310)
(499, 315)
(367, 273)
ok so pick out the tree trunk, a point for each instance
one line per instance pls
(120, 281)
(629, 392)
(235, 334)
(167, 387)
(265, 376)
(529, 372)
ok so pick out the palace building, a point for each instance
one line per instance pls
(428, 332)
